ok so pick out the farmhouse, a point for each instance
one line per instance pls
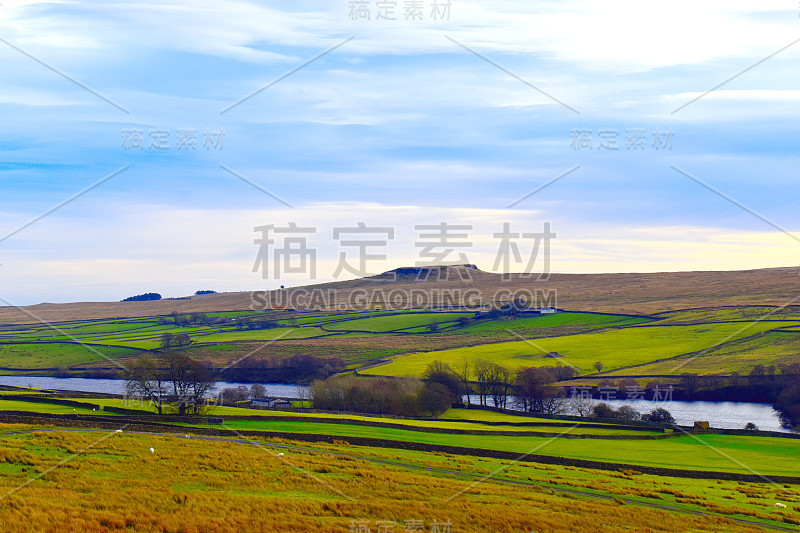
(270, 402)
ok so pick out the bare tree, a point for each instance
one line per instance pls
(144, 379)
(581, 404)
(536, 390)
(482, 371)
(499, 378)
(462, 369)
(555, 405)
(257, 390)
(189, 382)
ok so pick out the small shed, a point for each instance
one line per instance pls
(216, 421)
(270, 402)
(701, 425)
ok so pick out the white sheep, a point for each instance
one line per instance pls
(152, 450)
(187, 436)
(279, 455)
(781, 505)
(118, 431)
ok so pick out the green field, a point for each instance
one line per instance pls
(731, 339)
(382, 324)
(49, 355)
(591, 320)
(614, 348)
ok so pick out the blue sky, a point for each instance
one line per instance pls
(401, 125)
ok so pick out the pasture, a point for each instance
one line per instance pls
(89, 481)
(616, 348)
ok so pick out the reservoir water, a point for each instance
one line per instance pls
(117, 386)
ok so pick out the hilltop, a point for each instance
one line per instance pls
(634, 293)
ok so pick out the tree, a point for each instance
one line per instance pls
(182, 340)
(434, 399)
(603, 410)
(441, 373)
(690, 384)
(581, 404)
(536, 390)
(433, 327)
(236, 394)
(166, 340)
(750, 426)
(628, 414)
(257, 391)
(188, 382)
(146, 297)
(499, 384)
(659, 416)
(144, 379)
(598, 366)
(462, 369)
(482, 371)
(788, 402)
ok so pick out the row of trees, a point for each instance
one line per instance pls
(534, 390)
(626, 413)
(242, 393)
(189, 319)
(533, 387)
(171, 340)
(401, 397)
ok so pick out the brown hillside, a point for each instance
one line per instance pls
(623, 293)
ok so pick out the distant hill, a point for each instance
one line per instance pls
(146, 297)
(634, 293)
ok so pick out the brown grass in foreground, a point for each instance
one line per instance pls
(188, 485)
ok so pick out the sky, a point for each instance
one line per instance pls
(145, 145)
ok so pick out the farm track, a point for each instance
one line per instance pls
(244, 440)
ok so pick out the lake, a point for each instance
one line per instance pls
(722, 415)
(117, 386)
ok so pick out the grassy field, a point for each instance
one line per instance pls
(99, 481)
(614, 348)
(382, 324)
(766, 455)
(50, 355)
(773, 348)
(626, 345)
(303, 425)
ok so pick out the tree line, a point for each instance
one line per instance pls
(534, 389)
(400, 397)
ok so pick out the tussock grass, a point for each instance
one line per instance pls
(193, 485)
